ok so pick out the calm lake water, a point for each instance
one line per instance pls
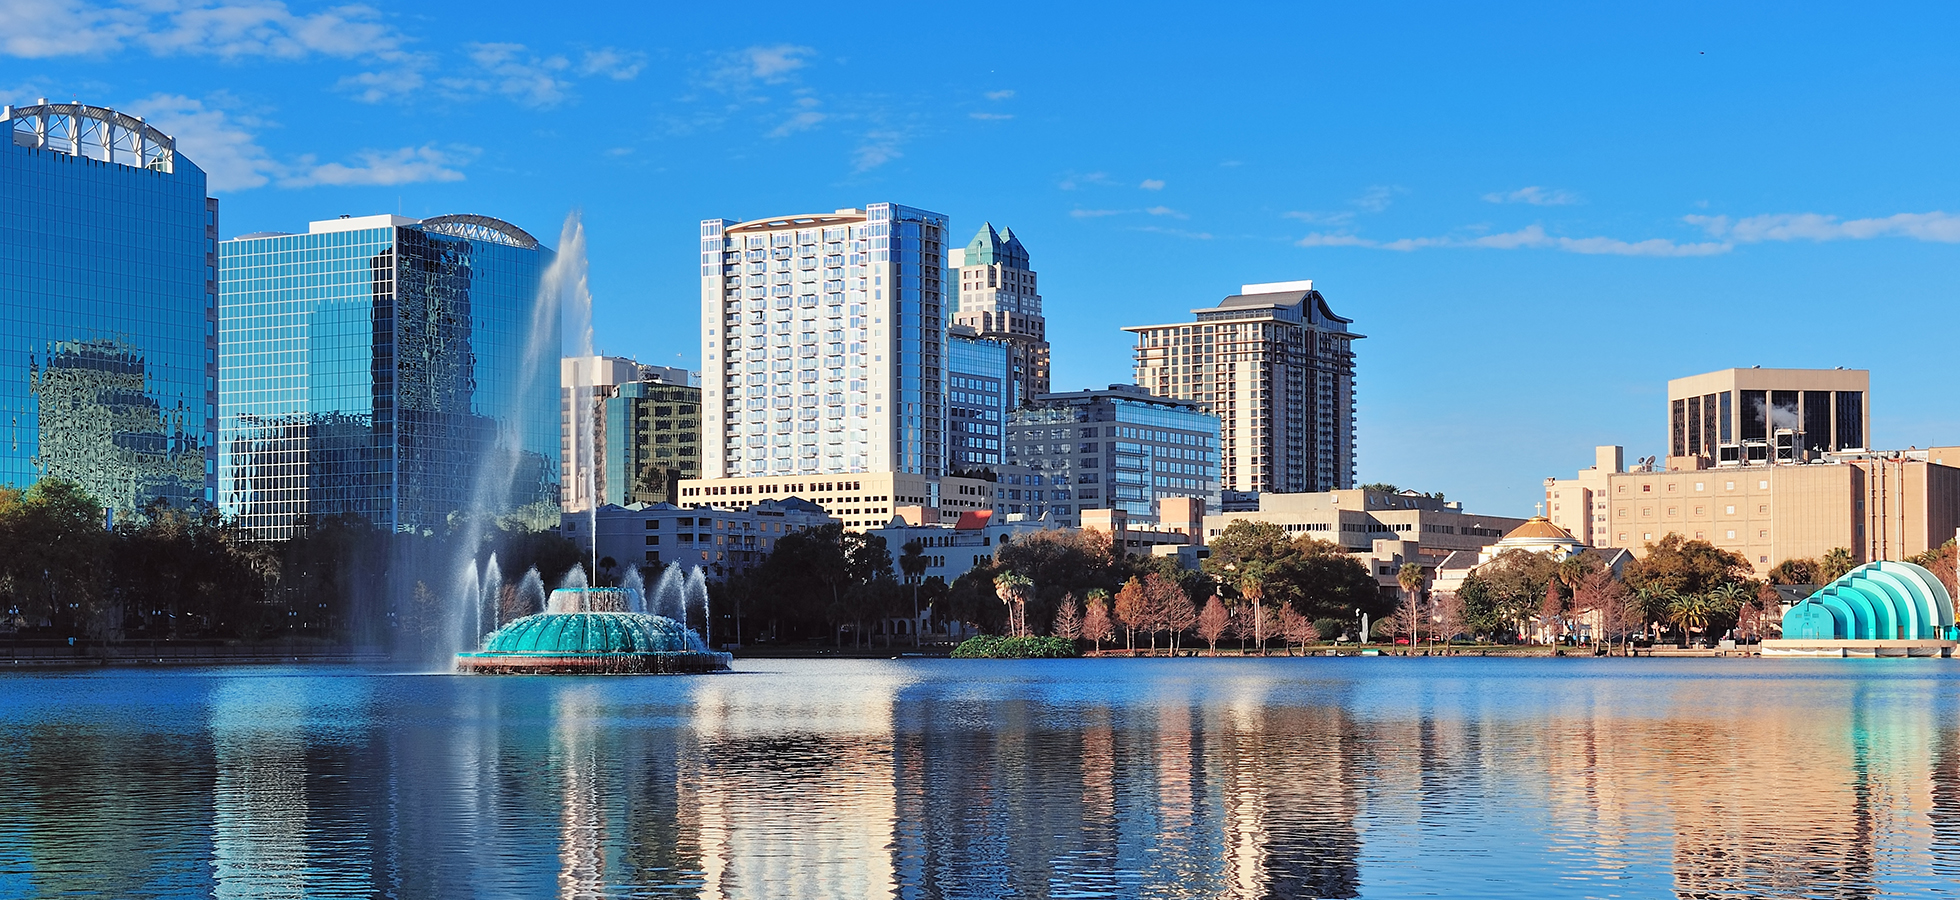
(948, 778)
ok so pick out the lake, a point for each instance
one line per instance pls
(1316, 777)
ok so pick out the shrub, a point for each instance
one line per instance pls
(992, 647)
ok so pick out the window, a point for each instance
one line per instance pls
(1648, 536)
(1671, 486)
(1700, 510)
(1762, 508)
(1762, 485)
(1623, 537)
(1697, 535)
(1700, 484)
(1646, 488)
(1730, 486)
(1730, 510)
(1673, 511)
(1763, 534)
(1732, 534)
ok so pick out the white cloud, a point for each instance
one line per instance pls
(409, 165)
(1531, 237)
(619, 65)
(36, 29)
(999, 95)
(737, 71)
(877, 148)
(1166, 211)
(222, 146)
(1321, 218)
(1152, 184)
(226, 29)
(990, 117)
(225, 147)
(1072, 181)
(1936, 226)
(1176, 232)
(1536, 196)
(513, 71)
(1098, 213)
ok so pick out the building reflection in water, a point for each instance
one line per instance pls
(855, 780)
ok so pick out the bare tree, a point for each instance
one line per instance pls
(1068, 619)
(1551, 613)
(1174, 606)
(1214, 622)
(1449, 617)
(1605, 598)
(1096, 624)
(1133, 610)
(1296, 629)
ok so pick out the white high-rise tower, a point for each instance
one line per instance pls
(823, 344)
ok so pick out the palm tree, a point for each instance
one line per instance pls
(1690, 611)
(1410, 577)
(913, 563)
(1014, 591)
(1834, 564)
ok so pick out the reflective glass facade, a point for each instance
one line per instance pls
(978, 397)
(394, 370)
(1119, 448)
(107, 309)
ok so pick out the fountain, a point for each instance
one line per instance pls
(591, 631)
(668, 593)
(635, 587)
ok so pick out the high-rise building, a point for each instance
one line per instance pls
(979, 395)
(1747, 417)
(108, 308)
(394, 369)
(597, 379)
(823, 344)
(994, 294)
(1119, 448)
(652, 440)
(1276, 366)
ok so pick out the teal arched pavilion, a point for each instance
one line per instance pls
(1879, 601)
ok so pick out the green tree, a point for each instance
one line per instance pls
(1014, 590)
(1834, 564)
(913, 563)
(1794, 571)
(1411, 579)
(1685, 566)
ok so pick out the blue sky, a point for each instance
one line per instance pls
(1537, 216)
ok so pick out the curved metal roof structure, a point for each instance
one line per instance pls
(480, 228)
(96, 132)
(1875, 601)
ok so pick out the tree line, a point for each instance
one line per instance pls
(168, 573)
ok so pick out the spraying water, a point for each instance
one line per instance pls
(669, 594)
(636, 588)
(530, 592)
(574, 579)
(575, 293)
(471, 620)
(493, 592)
(697, 593)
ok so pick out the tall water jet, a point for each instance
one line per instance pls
(493, 591)
(573, 580)
(697, 595)
(468, 617)
(530, 592)
(669, 594)
(635, 588)
(575, 298)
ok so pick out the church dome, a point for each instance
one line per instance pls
(1538, 528)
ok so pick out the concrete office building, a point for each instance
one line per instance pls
(108, 309)
(1276, 366)
(1382, 529)
(994, 293)
(1117, 448)
(721, 542)
(1748, 417)
(1887, 505)
(823, 344)
(376, 366)
(860, 501)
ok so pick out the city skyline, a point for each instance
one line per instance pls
(1655, 196)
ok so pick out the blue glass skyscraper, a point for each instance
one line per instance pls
(979, 395)
(393, 369)
(108, 306)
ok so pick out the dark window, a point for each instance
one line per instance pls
(1850, 419)
(1680, 429)
(1783, 411)
(1816, 421)
(1754, 415)
(1708, 425)
(1727, 417)
(1694, 427)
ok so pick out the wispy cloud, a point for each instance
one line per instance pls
(742, 70)
(1377, 198)
(802, 120)
(1152, 184)
(1000, 95)
(1073, 180)
(613, 63)
(1322, 218)
(226, 147)
(409, 165)
(1532, 237)
(1166, 211)
(990, 117)
(1936, 227)
(1176, 232)
(515, 72)
(1534, 195)
(877, 148)
(1098, 213)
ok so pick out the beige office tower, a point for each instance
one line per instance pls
(823, 343)
(1276, 366)
(994, 294)
(1757, 416)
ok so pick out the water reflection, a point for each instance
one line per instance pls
(1239, 779)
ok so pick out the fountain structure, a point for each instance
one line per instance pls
(593, 631)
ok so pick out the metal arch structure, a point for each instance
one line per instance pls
(96, 132)
(1876, 601)
(480, 228)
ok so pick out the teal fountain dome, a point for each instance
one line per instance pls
(589, 630)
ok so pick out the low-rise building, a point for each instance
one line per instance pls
(954, 548)
(861, 500)
(721, 542)
(1118, 448)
